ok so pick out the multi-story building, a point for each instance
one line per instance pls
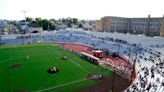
(148, 26)
(162, 28)
(99, 25)
(112, 24)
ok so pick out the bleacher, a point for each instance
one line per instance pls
(130, 47)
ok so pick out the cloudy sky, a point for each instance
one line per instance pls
(82, 9)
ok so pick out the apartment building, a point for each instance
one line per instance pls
(148, 26)
(99, 26)
(162, 28)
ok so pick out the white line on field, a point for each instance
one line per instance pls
(78, 65)
(54, 87)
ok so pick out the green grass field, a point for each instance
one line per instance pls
(32, 74)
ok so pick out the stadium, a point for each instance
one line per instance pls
(74, 60)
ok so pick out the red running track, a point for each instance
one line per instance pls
(115, 62)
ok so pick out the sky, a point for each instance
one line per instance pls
(82, 9)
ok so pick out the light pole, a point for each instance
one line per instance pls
(0, 40)
(136, 50)
(129, 52)
(22, 39)
(24, 13)
(113, 82)
(118, 47)
(134, 64)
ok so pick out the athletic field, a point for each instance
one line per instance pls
(33, 62)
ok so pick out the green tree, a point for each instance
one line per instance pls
(80, 25)
(39, 21)
(64, 20)
(45, 24)
(51, 26)
(28, 19)
(74, 20)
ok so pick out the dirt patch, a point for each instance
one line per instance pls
(15, 65)
(105, 85)
(53, 70)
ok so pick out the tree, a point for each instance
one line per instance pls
(64, 20)
(80, 25)
(69, 25)
(74, 20)
(28, 19)
(39, 21)
(83, 21)
(53, 21)
(45, 24)
(51, 26)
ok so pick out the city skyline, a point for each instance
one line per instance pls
(81, 9)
